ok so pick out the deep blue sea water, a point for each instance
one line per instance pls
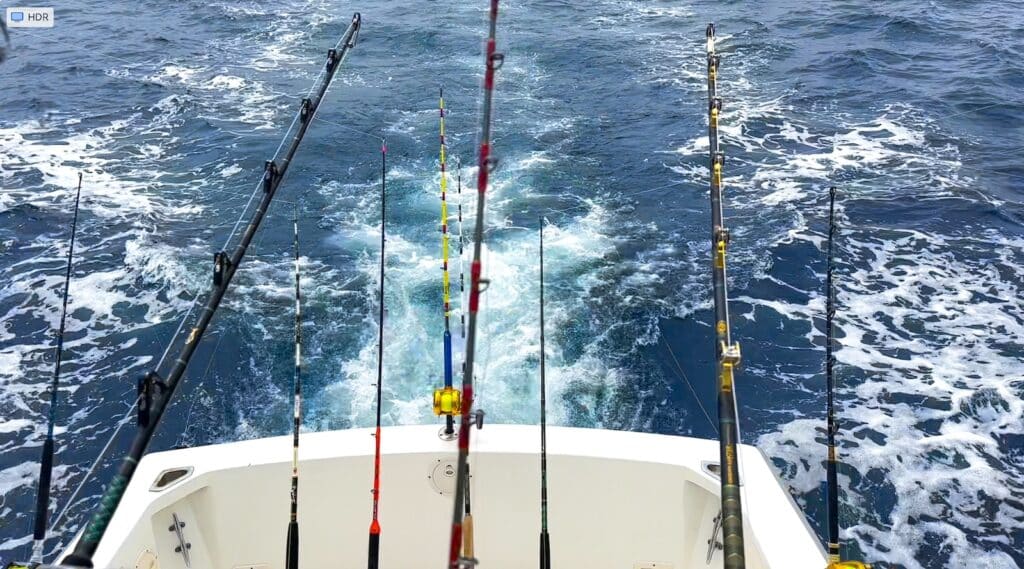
(913, 109)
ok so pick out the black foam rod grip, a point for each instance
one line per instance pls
(545, 551)
(374, 558)
(292, 554)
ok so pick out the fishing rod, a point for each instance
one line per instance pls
(727, 352)
(374, 548)
(462, 272)
(155, 391)
(493, 61)
(545, 540)
(830, 310)
(832, 427)
(292, 551)
(46, 462)
(446, 400)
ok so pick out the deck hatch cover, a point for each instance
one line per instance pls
(442, 476)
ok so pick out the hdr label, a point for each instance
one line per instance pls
(18, 17)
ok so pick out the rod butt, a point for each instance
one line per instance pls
(374, 556)
(292, 551)
(545, 550)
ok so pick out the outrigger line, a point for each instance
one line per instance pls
(374, 548)
(292, 551)
(727, 352)
(834, 558)
(545, 540)
(46, 463)
(493, 61)
(447, 401)
(156, 392)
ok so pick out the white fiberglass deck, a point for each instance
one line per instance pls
(617, 500)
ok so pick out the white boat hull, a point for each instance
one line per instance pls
(617, 500)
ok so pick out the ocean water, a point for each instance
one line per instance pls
(913, 109)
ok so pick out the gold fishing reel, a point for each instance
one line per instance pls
(848, 565)
(447, 401)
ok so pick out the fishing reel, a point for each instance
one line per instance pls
(221, 266)
(447, 401)
(149, 383)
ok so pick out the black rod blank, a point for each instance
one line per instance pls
(545, 539)
(273, 174)
(728, 353)
(46, 462)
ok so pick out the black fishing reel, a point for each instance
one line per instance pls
(149, 385)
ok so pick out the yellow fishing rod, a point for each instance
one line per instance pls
(727, 352)
(447, 400)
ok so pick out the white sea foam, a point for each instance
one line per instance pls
(229, 171)
(925, 317)
(506, 376)
(927, 321)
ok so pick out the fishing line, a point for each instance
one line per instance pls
(260, 184)
(253, 254)
(92, 468)
(174, 337)
(202, 381)
(688, 384)
(550, 211)
(341, 126)
(343, 55)
(156, 390)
